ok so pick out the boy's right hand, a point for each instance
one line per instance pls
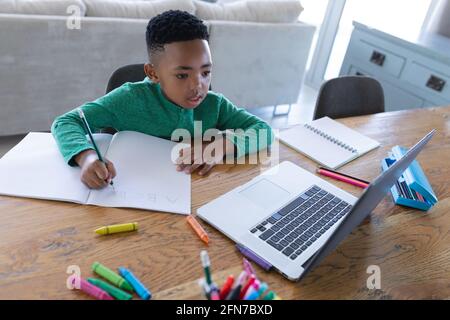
(94, 173)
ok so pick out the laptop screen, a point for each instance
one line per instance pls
(371, 197)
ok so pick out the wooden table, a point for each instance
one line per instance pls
(40, 239)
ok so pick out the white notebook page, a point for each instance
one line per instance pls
(146, 176)
(315, 147)
(35, 168)
(345, 134)
(327, 142)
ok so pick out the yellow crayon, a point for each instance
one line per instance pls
(125, 227)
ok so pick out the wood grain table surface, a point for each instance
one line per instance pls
(39, 239)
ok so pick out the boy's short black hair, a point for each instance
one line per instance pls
(173, 26)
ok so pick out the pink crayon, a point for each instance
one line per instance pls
(248, 267)
(92, 290)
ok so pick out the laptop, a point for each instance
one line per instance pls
(292, 219)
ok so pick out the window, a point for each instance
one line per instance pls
(313, 13)
(403, 18)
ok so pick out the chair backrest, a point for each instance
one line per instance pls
(129, 73)
(349, 96)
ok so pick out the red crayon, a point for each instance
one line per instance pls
(245, 289)
(226, 287)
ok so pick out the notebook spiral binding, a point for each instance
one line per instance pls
(330, 138)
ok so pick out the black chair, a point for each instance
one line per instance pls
(129, 73)
(349, 96)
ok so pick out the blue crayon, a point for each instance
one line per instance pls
(140, 289)
(255, 294)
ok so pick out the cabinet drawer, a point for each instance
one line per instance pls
(394, 97)
(378, 57)
(354, 71)
(429, 80)
(427, 104)
(398, 99)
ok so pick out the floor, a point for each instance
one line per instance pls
(8, 142)
(300, 112)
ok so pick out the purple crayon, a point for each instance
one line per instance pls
(254, 257)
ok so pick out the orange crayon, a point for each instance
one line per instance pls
(198, 228)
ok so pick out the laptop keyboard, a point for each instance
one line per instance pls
(296, 226)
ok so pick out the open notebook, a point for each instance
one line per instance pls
(146, 176)
(328, 142)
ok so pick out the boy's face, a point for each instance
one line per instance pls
(183, 70)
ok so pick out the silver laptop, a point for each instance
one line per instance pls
(292, 219)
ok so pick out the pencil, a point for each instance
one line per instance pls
(198, 228)
(342, 178)
(89, 132)
(345, 175)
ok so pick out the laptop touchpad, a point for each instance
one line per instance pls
(265, 193)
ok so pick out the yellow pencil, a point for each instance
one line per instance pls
(125, 227)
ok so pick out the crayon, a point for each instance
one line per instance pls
(408, 191)
(404, 192)
(269, 296)
(257, 293)
(198, 229)
(226, 287)
(236, 291)
(140, 289)
(214, 291)
(247, 286)
(248, 267)
(420, 197)
(92, 290)
(253, 256)
(254, 287)
(113, 291)
(206, 289)
(399, 190)
(116, 228)
(206, 266)
(111, 276)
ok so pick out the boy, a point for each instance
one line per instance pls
(174, 95)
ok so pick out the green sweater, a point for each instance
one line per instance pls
(142, 107)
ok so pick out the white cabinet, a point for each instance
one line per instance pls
(395, 98)
(414, 74)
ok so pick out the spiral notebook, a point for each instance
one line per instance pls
(328, 142)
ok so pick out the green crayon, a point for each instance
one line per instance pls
(269, 296)
(111, 276)
(115, 292)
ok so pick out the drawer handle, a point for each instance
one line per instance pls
(435, 83)
(377, 58)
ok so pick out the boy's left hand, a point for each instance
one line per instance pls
(212, 153)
